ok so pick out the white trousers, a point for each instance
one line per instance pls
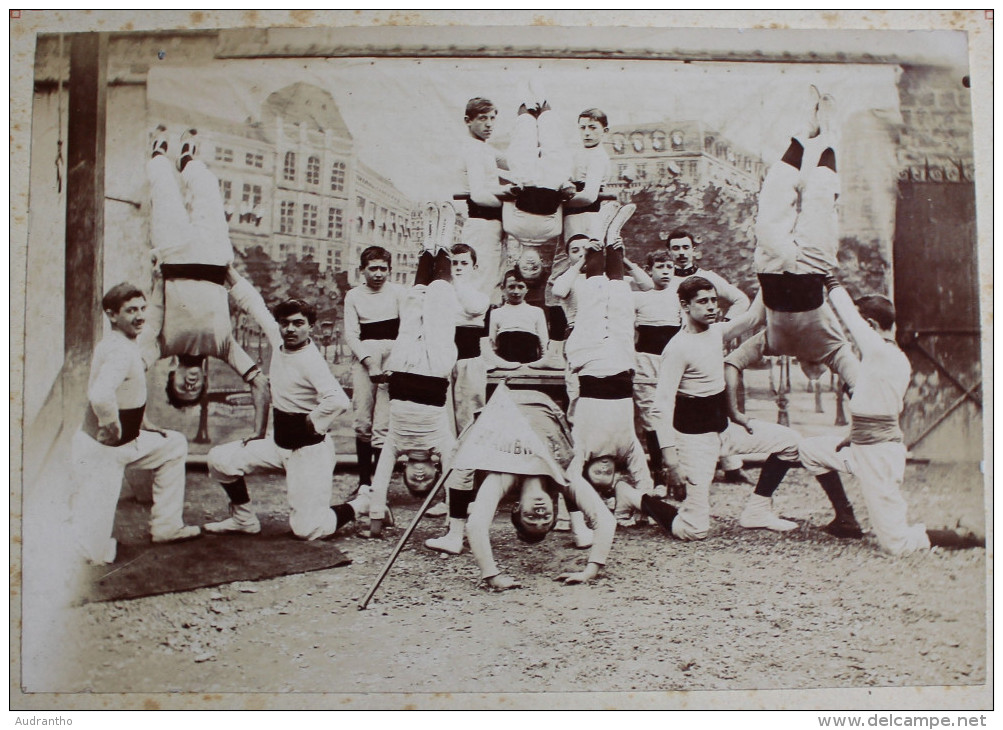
(308, 478)
(485, 237)
(97, 483)
(194, 234)
(647, 366)
(880, 468)
(602, 342)
(537, 153)
(698, 455)
(370, 402)
(468, 391)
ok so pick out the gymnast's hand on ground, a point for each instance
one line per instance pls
(585, 576)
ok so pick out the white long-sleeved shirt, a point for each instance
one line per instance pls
(117, 378)
(693, 362)
(300, 381)
(591, 166)
(884, 369)
(658, 307)
(520, 317)
(363, 304)
(480, 169)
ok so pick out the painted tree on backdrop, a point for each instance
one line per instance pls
(294, 278)
(722, 219)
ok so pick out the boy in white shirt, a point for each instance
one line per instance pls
(591, 171)
(518, 331)
(372, 321)
(873, 451)
(682, 247)
(692, 399)
(306, 400)
(115, 434)
(657, 318)
(482, 230)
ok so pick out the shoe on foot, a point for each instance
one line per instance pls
(445, 234)
(189, 148)
(758, 514)
(160, 141)
(437, 510)
(452, 545)
(623, 215)
(607, 212)
(553, 359)
(431, 227)
(661, 512)
(844, 526)
(185, 532)
(241, 519)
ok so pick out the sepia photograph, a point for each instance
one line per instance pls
(501, 359)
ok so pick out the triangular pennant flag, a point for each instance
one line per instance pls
(502, 440)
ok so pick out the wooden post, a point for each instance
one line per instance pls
(85, 169)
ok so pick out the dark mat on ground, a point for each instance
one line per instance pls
(144, 569)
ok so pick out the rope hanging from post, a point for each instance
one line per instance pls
(59, 118)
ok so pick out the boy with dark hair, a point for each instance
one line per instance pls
(682, 248)
(482, 229)
(600, 351)
(657, 318)
(518, 331)
(116, 434)
(306, 401)
(372, 321)
(469, 379)
(538, 426)
(189, 310)
(873, 451)
(691, 395)
(590, 172)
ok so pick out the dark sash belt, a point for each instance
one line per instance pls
(129, 418)
(385, 329)
(652, 338)
(538, 201)
(612, 387)
(517, 346)
(789, 292)
(593, 208)
(700, 414)
(198, 272)
(468, 341)
(483, 211)
(418, 388)
(294, 430)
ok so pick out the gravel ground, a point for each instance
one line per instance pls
(743, 610)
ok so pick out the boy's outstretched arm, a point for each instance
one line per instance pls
(862, 333)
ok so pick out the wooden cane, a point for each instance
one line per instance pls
(403, 540)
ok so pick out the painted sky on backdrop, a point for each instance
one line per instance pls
(406, 115)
